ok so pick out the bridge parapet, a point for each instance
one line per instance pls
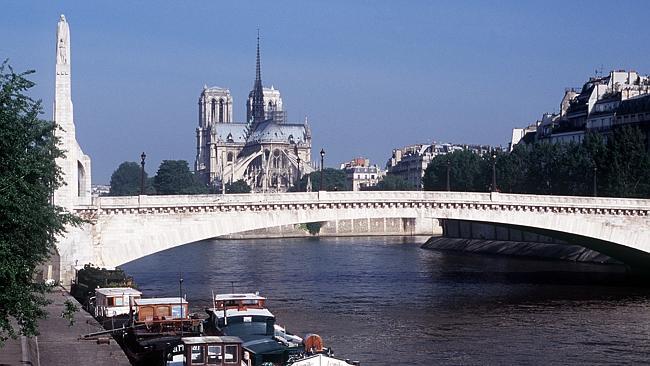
(401, 199)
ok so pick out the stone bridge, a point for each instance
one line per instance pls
(122, 229)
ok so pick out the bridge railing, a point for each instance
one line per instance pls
(370, 196)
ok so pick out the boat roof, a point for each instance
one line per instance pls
(264, 346)
(320, 359)
(117, 291)
(247, 312)
(244, 296)
(160, 301)
(211, 339)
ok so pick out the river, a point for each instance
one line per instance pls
(386, 301)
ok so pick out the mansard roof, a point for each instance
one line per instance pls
(638, 104)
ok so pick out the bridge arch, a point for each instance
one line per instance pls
(127, 228)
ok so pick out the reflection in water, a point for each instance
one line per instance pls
(385, 300)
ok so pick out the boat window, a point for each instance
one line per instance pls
(177, 311)
(110, 301)
(249, 302)
(119, 301)
(231, 354)
(162, 311)
(214, 355)
(197, 355)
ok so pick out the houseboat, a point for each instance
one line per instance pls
(209, 350)
(245, 315)
(156, 325)
(114, 301)
(315, 354)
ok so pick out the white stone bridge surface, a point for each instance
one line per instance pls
(122, 229)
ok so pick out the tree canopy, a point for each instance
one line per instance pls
(125, 180)
(390, 183)
(333, 180)
(621, 167)
(29, 222)
(175, 177)
(239, 186)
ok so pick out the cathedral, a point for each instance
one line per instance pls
(265, 151)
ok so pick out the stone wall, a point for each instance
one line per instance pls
(355, 227)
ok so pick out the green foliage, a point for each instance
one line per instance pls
(239, 186)
(312, 227)
(68, 311)
(622, 168)
(29, 223)
(175, 177)
(391, 183)
(125, 180)
(468, 172)
(333, 180)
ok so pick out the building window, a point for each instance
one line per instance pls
(230, 157)
(213, 109)
(221, 110)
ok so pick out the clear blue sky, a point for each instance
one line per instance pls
(370, 75)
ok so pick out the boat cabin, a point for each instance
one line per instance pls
(239, 301)
(208, 351)
(160, 309)
(114, 301)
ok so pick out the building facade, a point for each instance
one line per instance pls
(359, 174)
(596, 107)
(265, 151)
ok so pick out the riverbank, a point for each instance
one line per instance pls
(59, 343)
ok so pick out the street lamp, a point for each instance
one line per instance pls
(595, 185)
(448, 166)
(494, 172)
(295, 150)
(180, 299)
(142, 157)
(322, 158)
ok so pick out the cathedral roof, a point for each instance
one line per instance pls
(271, 132)
(230, 131)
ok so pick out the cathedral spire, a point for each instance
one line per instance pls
(258, 92)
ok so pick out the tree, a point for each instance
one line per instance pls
(628, 170)
(467, 172)
(392, 183)
(175, 177)
(333, 180)
(29, 222)
(239, 186)
(125, 180)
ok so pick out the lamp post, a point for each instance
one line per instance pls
(494, 172)
(322, 158)
(180, 298)
(142, 157)
(595, 185)
(448, 166)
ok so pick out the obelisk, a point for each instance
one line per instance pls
(76, 165)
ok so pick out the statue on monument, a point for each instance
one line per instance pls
(63, 39)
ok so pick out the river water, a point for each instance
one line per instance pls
(386, 301)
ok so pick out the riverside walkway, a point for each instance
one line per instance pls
(59, 344)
